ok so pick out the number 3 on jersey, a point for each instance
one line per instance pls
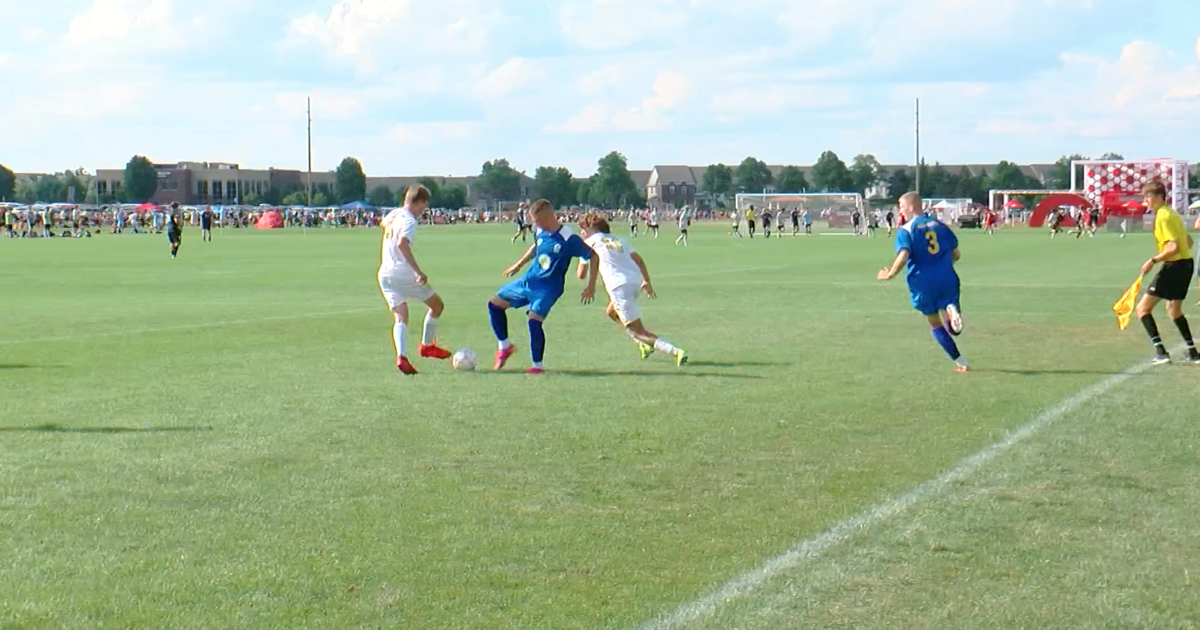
(933, 248)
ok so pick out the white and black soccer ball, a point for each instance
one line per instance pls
(464, 360)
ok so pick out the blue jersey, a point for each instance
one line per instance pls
(552, 256)
(930, 246)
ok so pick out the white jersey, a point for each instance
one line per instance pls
(653, 220)
(399, 223)
(685, 218)
(617, 267)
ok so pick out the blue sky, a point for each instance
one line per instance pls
(438, 87)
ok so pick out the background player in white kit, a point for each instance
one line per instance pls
(402, 281)
(624, 273)
(685, 221)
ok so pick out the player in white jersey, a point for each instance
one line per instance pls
(685, 221)
(402, 281)
(652, 222)
(625, 275)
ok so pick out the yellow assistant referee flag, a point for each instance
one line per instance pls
(1124, 306)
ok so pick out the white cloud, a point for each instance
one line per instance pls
(776, 98)
(325, 105)
(669, 92)
(378, 34)
(612, 24)
(508, 78)
(7, 60)
(596, 83)
(432, 133)
(125, 26)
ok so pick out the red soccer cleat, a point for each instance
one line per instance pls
(502, 357)
(405, 367)
(535, 371)
(434, 352)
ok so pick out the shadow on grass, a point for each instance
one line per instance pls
(684, 373)
(738, 364)
(23, 366)
(1050, 372)
(55, 428)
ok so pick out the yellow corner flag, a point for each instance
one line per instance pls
(1124, 306)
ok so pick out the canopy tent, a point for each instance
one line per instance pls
(1195, 205)
(943, 204)
(1014, 205)
(270, 221)
(358, 205)
(147, 207)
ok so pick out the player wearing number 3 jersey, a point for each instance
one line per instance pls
(625, 275)
(928, 249)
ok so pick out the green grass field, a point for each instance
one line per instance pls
(222, 441)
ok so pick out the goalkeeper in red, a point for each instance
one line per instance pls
(625, 276)
(928, 250)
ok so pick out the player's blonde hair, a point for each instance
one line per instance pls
(912, 198)
(1155, 187)
(594, 222)
(416, 194)
(540, 206)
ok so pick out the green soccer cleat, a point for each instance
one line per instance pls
(681, 358)
(645, 350)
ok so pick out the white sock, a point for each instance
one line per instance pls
(662, 345)
(400, 338)
(505, 345)
(633, 336)
(538, 365)
(429, 332)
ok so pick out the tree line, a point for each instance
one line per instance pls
(611, 186)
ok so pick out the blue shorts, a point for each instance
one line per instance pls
(932, 300)
(519, 294)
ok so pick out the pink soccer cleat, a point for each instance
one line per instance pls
(502, 357)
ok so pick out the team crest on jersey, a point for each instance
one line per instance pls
(557, 248)
(543, 261)
(539, 242)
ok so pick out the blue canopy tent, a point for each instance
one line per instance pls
(358, 205)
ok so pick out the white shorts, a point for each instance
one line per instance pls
(624, 301)
(400, 289)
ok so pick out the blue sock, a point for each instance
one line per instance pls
(499, 321)
(537, 340)
(942, 336)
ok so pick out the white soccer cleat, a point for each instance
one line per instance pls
(954, 320)
(960, 365)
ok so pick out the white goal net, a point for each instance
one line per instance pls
(837, 209)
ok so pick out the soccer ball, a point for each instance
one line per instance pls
(464, 360)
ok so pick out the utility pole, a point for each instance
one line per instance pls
(309, 203)
(918, 165)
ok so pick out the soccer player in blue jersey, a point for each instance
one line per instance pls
(929, 249)
(553, 248)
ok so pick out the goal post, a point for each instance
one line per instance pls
(837, 209)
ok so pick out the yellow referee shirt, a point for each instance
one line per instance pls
(1168, 226)
(749, 215)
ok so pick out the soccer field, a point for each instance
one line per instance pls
(222, 441)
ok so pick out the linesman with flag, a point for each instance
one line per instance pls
(1173, 280)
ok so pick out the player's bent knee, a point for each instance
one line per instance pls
(499, 303)
(436, 306)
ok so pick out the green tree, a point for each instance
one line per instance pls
(499, 180)
(717, 180)
(24, 192)
(1060, 177)
(295, 198)
(1009, 176)
(1112, 156)
(140, 181)
(612, 186)
(79, 181)
(971, 187)
(349, 182)
(252, 199)
(452, 197)
(866, 173)
(555, 184)
(583, 192)
(1194, 179)
(48, 189)
(752, 175)
(830, 174)
(899, 182)
(320, 199)
(8, 183)
(381, 196)
(791, 179)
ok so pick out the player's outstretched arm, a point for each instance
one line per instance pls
(581, 269)
(646, 286)
(524, 260)
(406, 251)
(589, 292)
(887, 273)
(956, 254)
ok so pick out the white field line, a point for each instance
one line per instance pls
(752, 580)
(195, 326)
